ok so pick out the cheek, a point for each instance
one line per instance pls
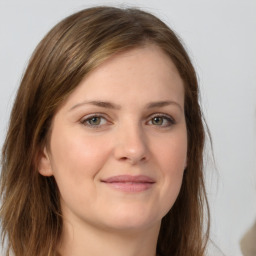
(172, 155)
(173, 163)
(76, 158)
(172, 152)
(76, 161)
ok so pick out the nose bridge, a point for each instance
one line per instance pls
(131, 142)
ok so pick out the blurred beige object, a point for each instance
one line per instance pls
(248, 242)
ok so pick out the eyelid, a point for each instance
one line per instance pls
(90, 116)
(169, 118)
(98, 114)
(171, 121)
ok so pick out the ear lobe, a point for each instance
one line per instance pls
(44, 163)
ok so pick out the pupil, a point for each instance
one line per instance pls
(94, 120)
(157, 120)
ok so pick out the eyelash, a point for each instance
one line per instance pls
(166, 118)
(170, 120)
(89, 118)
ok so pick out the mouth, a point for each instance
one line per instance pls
(129, 183)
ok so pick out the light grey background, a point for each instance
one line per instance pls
(220, 36)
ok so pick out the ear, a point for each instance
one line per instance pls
(44, 163)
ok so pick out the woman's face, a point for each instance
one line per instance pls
(118, 145)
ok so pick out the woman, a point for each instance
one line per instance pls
(104, 152)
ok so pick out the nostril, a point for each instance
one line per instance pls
(124, 158)
(133, 160)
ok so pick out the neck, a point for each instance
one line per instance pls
(80, 240)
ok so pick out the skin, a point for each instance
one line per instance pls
(128, 136)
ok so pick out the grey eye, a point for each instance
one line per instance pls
(162, 121)
(94, 120)
(158, 120)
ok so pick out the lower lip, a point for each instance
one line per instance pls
(130, 186)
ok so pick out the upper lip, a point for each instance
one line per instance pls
(129, 178)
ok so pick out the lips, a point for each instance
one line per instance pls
(129, 183)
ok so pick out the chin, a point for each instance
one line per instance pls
(133, 221)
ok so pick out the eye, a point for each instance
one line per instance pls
(94, 121)
(161, 120)
(158, 120)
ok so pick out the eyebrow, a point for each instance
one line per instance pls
(160, 104)
(102, 104)
(109, 105)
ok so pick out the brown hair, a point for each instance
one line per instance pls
(30, 213)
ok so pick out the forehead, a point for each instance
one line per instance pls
(144, 71)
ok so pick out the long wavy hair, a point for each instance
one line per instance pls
(30, 213)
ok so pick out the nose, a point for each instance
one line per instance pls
(131, 145)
